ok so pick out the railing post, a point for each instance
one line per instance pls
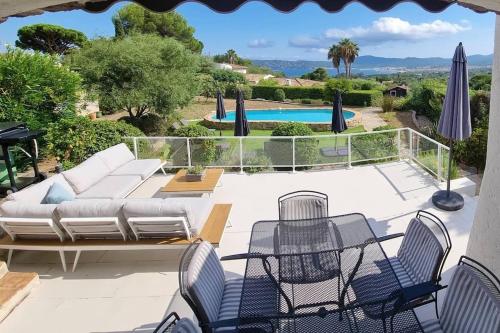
(399, 143)
(188, 146)
(293, 154)
(411, 145)
(241, 155)
(440, 163)
(349, 152)
(136, 154)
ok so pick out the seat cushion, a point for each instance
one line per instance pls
(197, 210)
(142, 168)
(185, 325)
(111, 187)
(401, 273)
(57, 194)
(205, 281)
(116, 156)
(36, 193)
(27, 209)
(230, 302)
(432, 326)
(90, 208)
(88, 173)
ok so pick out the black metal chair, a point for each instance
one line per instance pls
(422, 254)
(174, 324)
(471, 303)
(301, 205)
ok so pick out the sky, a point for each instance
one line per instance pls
(257, 31)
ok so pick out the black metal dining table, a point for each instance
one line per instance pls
(320, 275)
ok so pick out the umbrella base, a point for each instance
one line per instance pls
(448, 201)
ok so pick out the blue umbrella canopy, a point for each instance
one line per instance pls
(240, 123)
(455, 122)
(221, 110)
(338, 121)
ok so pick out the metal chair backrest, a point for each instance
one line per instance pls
(201, 282)
(472, 300)
(302, 205)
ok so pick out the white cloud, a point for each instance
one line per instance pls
(260, 43)
(385, 29)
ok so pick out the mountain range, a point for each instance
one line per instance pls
(370, 65)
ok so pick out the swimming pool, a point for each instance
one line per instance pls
(293, 115)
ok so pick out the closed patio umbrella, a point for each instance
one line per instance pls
(454, 123)
(220, 111)
(240, 123)
(338, 121)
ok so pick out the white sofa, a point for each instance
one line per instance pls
(100, 209)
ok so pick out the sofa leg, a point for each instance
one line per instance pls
(77, 256)
(163, 170)
(9, 257)
(63, 260)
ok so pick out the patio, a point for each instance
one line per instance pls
(132, 291)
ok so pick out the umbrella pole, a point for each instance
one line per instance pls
(220, 128)
(450, 159)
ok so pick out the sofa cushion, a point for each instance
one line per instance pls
(142, 168)
(116, 156)
(111, 187)
(37, 192)
(195, 210)
(27, 209)
(57, 193)
(83, 176)
(90, 208)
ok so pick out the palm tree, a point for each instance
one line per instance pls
(335, 56)
(349, 51)
(231, 56)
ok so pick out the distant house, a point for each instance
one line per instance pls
(232, 67)
(397, 91)
(296, 82)
(256, 78)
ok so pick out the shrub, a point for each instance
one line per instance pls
(375, 145)
(203, 151)
(279, 95)
(150, 124)
(361, 84)
(362, 98)
(72, 140)
(36, 89)
(334, 85)
(268, 83)
(225, 76)
(306, 150)
(306, 101)
(427, 98)
(267, 92)
(388, 104)
(232, 89)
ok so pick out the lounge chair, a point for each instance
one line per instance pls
(302, 205)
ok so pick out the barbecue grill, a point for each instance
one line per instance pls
(14, 134)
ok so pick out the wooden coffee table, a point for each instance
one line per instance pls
(179, 185)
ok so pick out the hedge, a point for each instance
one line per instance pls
(362, 97)
(353, 97)
(290, 92)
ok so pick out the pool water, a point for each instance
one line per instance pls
(293, 115)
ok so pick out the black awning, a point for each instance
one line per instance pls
(226, 6)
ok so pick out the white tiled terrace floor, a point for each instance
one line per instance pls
(122, 291)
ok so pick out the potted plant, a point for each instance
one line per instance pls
(195, 173)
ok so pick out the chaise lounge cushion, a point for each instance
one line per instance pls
(27, 209)
(37, 192)
(116, 156)
(142, 168)
(111, 187)
(88, 173)
(198, 210)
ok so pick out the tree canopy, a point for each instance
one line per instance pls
(231, 57)
(139, 74)
(319, 74)
(49, 38)
(347, 51)
(133, 19)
